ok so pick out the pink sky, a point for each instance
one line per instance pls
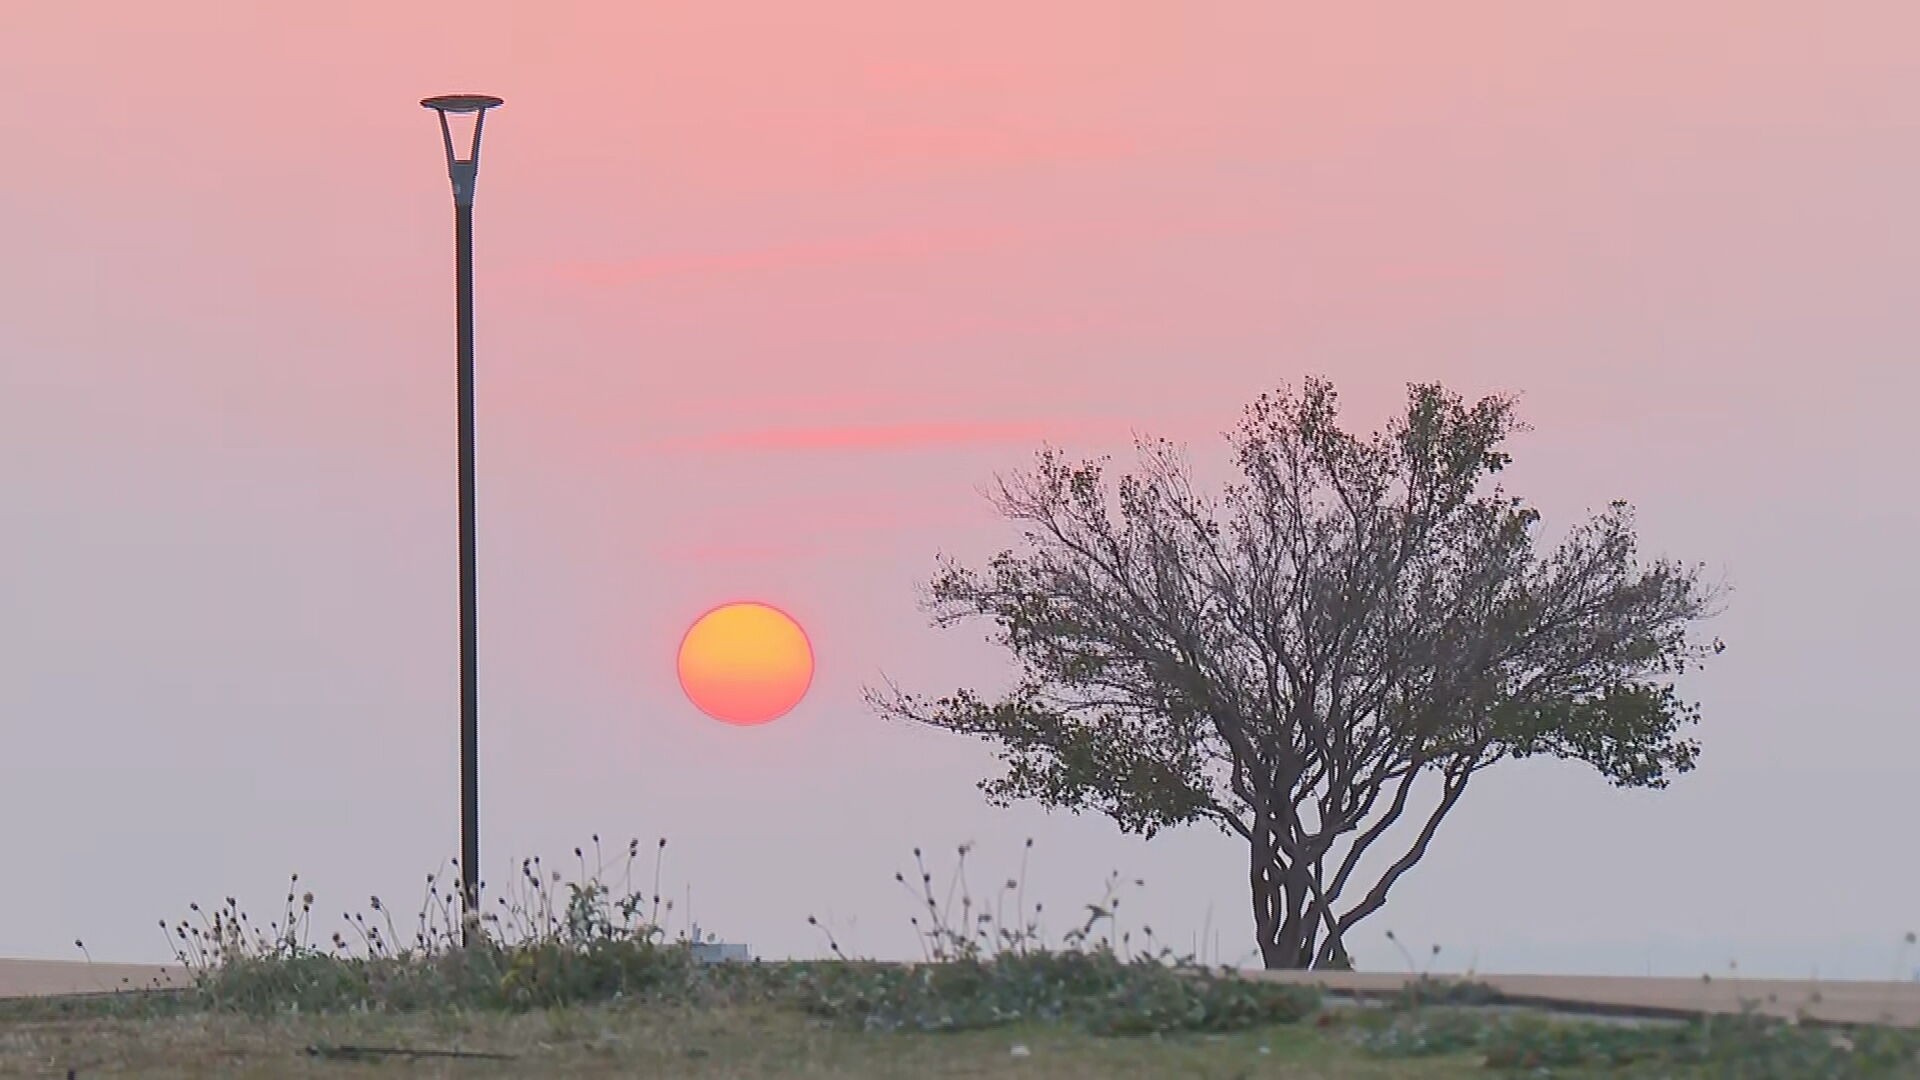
(767, 292)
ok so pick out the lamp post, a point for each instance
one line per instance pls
(464, 172)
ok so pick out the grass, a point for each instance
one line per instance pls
(633, 1040)
(1738, 1046)
(770, 1039)
(577, 975)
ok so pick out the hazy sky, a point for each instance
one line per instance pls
(768, 291)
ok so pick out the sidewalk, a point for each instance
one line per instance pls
(47, 978)
(1896, 1003)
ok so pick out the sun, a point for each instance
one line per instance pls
(745, 663)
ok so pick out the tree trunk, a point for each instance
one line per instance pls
(1286, 918)
(1267, 919)
(1333, 954)
(1333, 957)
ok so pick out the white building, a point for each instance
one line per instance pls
(711, 950)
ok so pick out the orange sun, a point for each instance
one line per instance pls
(745, 663)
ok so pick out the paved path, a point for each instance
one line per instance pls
(46, 978)
(1835, 1002)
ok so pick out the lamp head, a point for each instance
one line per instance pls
(462, 103)
(464, 172)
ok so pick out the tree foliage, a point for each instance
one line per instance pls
(1291, 659)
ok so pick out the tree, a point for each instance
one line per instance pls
(1352, 620)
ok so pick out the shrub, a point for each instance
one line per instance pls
(1092, 989)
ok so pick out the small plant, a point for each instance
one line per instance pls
(1428, 990)
(986, 965)
(551, 942)
(1093, 990)
(953, 925)
(1423, 988)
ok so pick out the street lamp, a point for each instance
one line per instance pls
(464, 172)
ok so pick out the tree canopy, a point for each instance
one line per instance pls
(1288, 658)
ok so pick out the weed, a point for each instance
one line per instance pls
(552, 942)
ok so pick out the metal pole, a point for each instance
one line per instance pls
(469, 641)
(463, 172)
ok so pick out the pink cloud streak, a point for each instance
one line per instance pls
(881, 436)
(1475, 267)
(881, 247)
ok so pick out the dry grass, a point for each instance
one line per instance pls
(731, 1043)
